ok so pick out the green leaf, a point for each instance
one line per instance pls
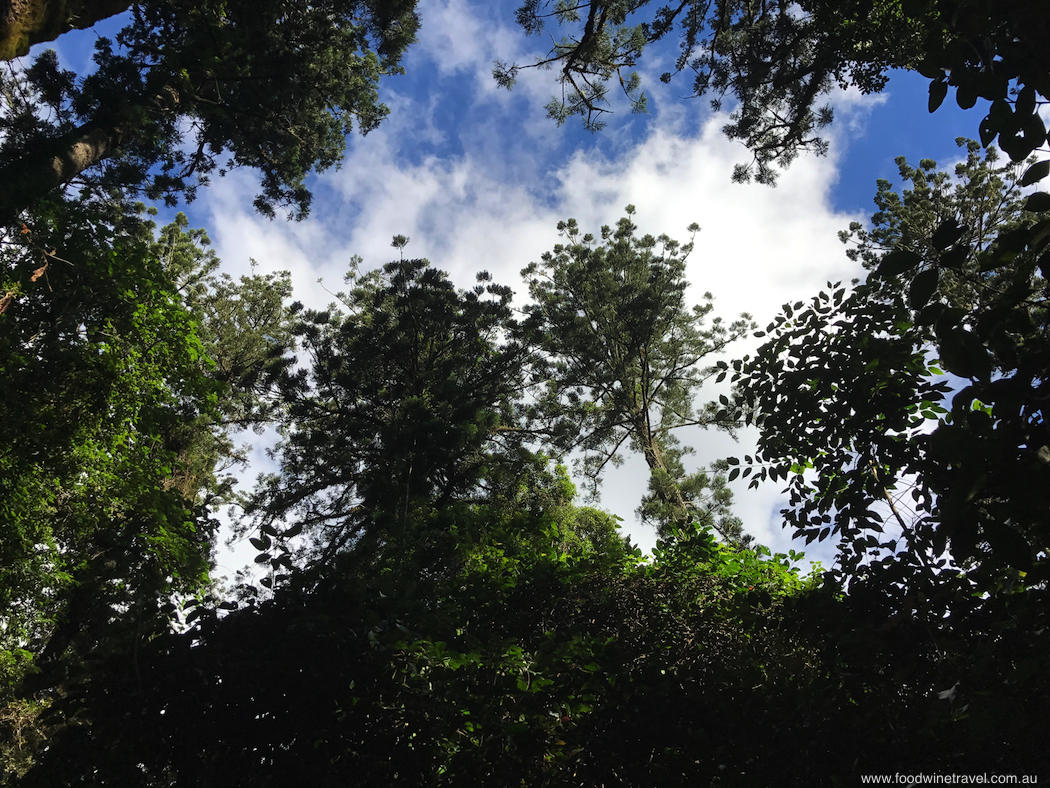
(1038, 202)
(963, 354)
(966, 94)
(938, 90)
(998, 119)
(946, 234)
(295, 530)
(922, 288)
(897, 262)
(1033, 131)
(954, 257)
(987, 132)
(929, 314)
(1000, 114)
(1025, 104)
(926, 68)
(948, 319)
(1035, 173)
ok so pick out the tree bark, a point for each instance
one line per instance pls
(684, 510)
(27, 22)
(654, 459)
(54, 164)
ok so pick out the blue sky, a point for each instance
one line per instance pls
(478, 178)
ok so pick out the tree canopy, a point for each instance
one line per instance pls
(620, 360)
(117, 427)
(465, 621)
(188, 89)
(103, 392)
(430, 603)
(410, 396)
(929, 377)
(778, 60)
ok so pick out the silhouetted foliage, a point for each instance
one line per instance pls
(277, 85)
(778, 60)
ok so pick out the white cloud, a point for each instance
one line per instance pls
(463, 40)
(455, 38)
(853, 108)
(494, 206)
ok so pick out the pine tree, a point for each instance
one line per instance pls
(620, 364)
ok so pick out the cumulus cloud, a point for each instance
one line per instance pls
(481, 207)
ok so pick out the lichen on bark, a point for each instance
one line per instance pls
(27, 22)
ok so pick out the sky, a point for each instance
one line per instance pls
(478, 178)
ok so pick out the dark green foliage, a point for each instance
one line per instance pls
(115, 420)
(438, 609)
(991, 51)
(547, 665)
(106, 402)
(619, 362)
(275, 84)
(445, 614)
(778, 60)
(855, 408)
(842, 393)
(492, 677)
(410, 398)
(939, 213)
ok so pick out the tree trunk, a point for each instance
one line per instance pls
(654, 459)
(27, 22)
(683, 509)
(54, 164)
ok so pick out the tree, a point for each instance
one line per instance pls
(620, 355)
(779, 59)
(523, 663)
(278, 84)
(855, 409)
(982, 201)
(245, 326)
(107, 409)
(476, 627)
(535, 660)
(29, 22)
(408, 399)
(117, 426)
